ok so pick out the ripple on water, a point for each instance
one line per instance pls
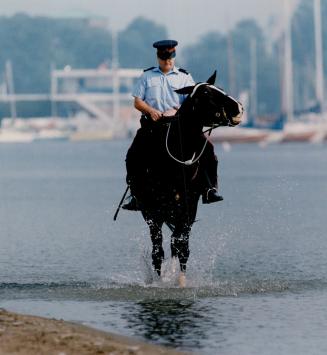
(114, 291)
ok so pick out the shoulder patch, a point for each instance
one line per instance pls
(148, 69)
(183, 71)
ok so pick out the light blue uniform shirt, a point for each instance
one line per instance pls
(157, 89)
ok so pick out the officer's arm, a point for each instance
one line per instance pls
(146, 109)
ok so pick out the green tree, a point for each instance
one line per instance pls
(230, 54)
(207, 55)
(34, 43)
(135, 43)
(243, 36)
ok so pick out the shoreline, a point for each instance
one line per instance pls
(28, 335)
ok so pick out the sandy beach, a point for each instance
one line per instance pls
(30, 335)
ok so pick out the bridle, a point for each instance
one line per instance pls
(193, 160)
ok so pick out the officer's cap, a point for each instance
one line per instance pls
(166, 48)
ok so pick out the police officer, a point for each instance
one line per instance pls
(155, 97)
(154, 94)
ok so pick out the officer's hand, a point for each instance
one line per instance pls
(155, 114)
(170, 112)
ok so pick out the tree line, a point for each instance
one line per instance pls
(34, 45)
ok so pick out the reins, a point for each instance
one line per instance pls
(192, 160)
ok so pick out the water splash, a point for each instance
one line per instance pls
(158, 290)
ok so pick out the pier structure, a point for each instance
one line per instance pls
(102, 94)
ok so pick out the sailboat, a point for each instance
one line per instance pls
(310, 127)
(9, 133)
(245, 133)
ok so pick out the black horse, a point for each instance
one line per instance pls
(169, 179)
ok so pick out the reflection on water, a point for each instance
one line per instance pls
(174, 323)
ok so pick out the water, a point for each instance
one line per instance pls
(257, 279)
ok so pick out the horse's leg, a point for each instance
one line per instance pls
(180, 244)
(157, 249)
(181, 233)
(180, 248)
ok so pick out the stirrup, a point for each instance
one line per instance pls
(131, 204)
(210, 196)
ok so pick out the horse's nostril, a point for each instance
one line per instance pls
(217, 114)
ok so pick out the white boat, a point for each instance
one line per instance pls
(304, 132)
(14, 136)
(239, 135)
(51, 134)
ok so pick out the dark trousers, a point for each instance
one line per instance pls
(209, 167)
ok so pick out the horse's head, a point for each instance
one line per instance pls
(212, 104)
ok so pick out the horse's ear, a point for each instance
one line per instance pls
(185, 91)
(212, 78)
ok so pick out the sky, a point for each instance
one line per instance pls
(185, 20)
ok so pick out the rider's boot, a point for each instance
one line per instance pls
(131, 204)
(210, 196)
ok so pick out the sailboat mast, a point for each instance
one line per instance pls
(253, 79)
(231, 67)
(11, 91)
(319, 55)
(116, 83)
(288, 70)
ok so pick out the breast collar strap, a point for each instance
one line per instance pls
(186, 162)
